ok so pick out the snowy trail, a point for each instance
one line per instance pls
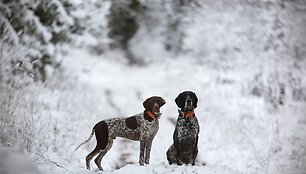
(245, 60)
(236, 136)
(116, 86)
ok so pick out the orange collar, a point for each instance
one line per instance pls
(153, 116)
(187, 114)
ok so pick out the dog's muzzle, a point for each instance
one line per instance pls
(155, 109)
(188, 104)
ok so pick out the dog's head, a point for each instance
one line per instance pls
(187, 101)
(153, 104)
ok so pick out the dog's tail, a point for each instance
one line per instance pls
(86, 141)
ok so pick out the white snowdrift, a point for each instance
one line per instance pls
(15, 161)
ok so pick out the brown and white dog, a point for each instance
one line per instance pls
(141, 127)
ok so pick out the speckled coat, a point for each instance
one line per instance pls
(185, 147)
(136, 127)
(141, 127)
(144, 133)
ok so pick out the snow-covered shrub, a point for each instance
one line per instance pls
(90, 24)
(123, 24)
(178, 19)
(16, 116)
(37, 26)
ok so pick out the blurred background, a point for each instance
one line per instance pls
(67, 64)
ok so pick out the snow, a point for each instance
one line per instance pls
(8, 29)
(237, 130)
(15, 161)
(39, 27)
(174, 169)
(64, 17)
(241, 131)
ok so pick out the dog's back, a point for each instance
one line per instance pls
(125, 127)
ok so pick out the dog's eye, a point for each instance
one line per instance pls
(151, 102)
(160, 103)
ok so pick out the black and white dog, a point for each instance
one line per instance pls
(184, 150)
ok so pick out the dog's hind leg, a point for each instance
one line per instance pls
(103, 141)
(102, 154)
(91, 155)
(171, 154)
(101, 132)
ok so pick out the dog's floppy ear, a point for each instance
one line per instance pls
(194, 99)
(146, 104)
(179, 100)
(161, 101)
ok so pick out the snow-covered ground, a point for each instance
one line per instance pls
(12, 161)
(245, 63)
(240, 132)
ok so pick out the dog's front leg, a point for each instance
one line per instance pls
(195, 151)
(142, 152)
(148, 146)
(177, 144)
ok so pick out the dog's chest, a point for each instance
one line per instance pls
(148, 129)
(187, 127)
